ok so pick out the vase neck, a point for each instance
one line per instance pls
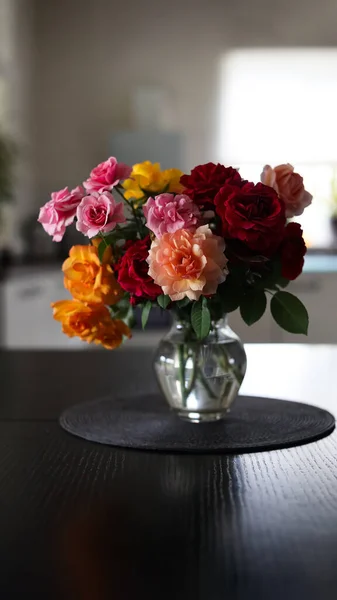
(180, 324)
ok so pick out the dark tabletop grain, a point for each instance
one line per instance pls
(83, 521)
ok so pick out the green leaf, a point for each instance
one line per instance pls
(101, 249)
(274, 279)
(231, 293)
(121, 309)
(122, 233)
(253, 306)
(289, 313)
(182, 303)
(216, 307)
(283, 282)
(121, 313)
(163, 300)
(146, 312)
(201, 318)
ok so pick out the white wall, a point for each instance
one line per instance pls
(91, 53)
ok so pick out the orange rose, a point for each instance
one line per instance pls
(90, 323)
(289, 186)
(89, 281)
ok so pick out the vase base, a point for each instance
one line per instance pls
(190, 416)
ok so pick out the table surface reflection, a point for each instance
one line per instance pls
(80, 520)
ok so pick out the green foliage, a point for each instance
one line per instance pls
(273, 279)
(289, 313)
(216, 307)
(163, 300)
(128, 232)
(182, 303)
(123, 310)
(7, 153)
(231, 292)
(101, 249)
(253, 306)
(146, 312)
(201, 318)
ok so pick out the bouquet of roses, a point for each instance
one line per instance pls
(200, 245)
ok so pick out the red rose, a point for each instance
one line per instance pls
(293, 249)
(205, 182)
(253, 214)
(133, 274)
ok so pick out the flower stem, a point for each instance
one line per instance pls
(181, 354)
(195, 358)
(134, 212)
(206, 385)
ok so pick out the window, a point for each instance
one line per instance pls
(279, 105)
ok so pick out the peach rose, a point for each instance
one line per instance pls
(289, 186)
(89, 281)
(91, 323)
(188, 263)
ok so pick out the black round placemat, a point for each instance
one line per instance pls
(146, 423)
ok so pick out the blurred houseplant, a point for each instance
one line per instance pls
(6, 168)
(7, 154)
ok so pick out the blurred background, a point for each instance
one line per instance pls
(181, 83)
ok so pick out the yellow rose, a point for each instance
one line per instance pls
(89, 281)
(91, 323)
(147, 178)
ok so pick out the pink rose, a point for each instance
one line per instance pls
(60, 211)
(289, 186)
(106, 175)
(167, 213)
(98, 213)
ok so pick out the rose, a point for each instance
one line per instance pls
(147, 179)
(293, 250)
(91, 323)
(188, 263)
(88, 280)
(289, 186)
(106, 175)
(253, 214)
(98, 213)
(133, 272)
(167, 213)
(205, 181)
(60, 211)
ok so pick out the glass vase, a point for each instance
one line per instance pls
(200, 379)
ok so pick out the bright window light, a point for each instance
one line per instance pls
(277, 106)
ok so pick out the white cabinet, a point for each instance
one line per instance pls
(318, 292)
(28, 323)
(27, 314)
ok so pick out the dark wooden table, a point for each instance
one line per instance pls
(84, 521)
